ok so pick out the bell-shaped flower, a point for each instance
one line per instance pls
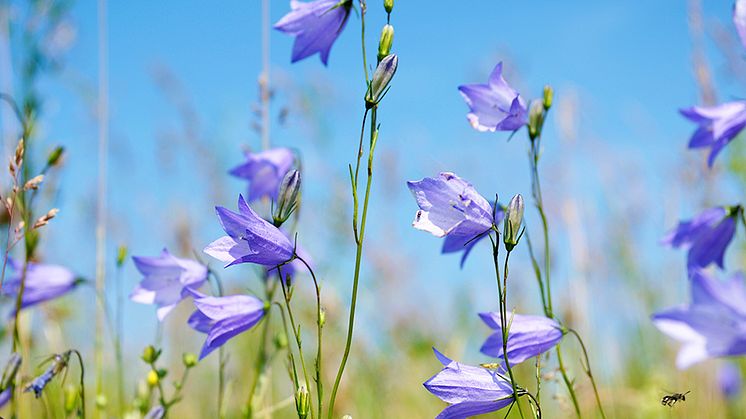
(730, 380)
(43, 282)
(450, 207)
(222, 318)
(315, 25)
(264, 171)
(528, 336)
(707, 236)
(166, 281)
(494, 106)
(718, 125)
(250, 239)
(469, 390)
(713, 324)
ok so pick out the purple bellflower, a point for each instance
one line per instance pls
(250, 239)
(450, 207)
(713, 324)
(167, 280)
(469, 390)
(264, 171)
(739, 19)
(315, 25)
(222, 318)
(43, 282)
(718, 125)
(707, 236)
(494, 106)
(730, 380)
(528, 336)
(5, 396)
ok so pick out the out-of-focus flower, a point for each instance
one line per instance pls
(450, 207)
(250, 239)
(59, 363)
(43, 282)
(718, 125)
(224, 317)
(494, 106)
(713, 324)
(5, 396)
(315, 25)
(739, 19)
(167, 280)
(264, 171)
(707, 235)
(528, 336)
(157, 412)
(469, 390)
(730, 380)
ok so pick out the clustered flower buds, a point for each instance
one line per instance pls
(381, 80)
(512, 222)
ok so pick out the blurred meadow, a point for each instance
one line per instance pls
(179, 91)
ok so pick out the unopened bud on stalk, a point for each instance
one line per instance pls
(33, 183)
(71, 398)
(288, 197)
(302, 402)
(189, 359)
(535, 118)
(101, 402)
(153, 378)
(281, 341)
(381, 80)
(55, 156)
(387, 39)
(322, 317)
(44, 219)
(121, 255)
(548, 97)
(150, 354)
(388, 5)
(512, 223)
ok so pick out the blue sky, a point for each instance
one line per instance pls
(627, 63)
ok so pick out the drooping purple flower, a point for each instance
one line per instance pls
(167, 280)
(58, 364)
(43, 282)
(250, 239)
(739, 19)
(469, 390)
(718, 125)
(157, 412)
(222, 318)
(450, 207)
(730, 380)
(713, 324)
(707, 236)
(494, 106)
(5, 396)
(264, 171)
(528, 336)
(315, 25)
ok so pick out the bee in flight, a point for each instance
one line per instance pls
(671, 399)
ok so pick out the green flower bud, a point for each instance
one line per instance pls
(512, 222)
(322, 317)
(548, 96)
(121, 255)
(101, 402)
(71, 398)
(189, 359)
(55, 156)
(387, 39)
(153, 379)
(150, 354)
(388, 5)
(381, 80)
(288, 197)
(535, 118)
(302, 402)
(281, 341)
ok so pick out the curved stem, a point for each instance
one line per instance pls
(589, 373)
(358, 260)
(82, 382)
(319, 327)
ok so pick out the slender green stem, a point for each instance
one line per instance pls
(355, 203)
(261, 365)
(221, 350)
(537, 272)
(568, 382)
(538, 379)
(363, 9)
(296, 333)
(319, 327)
(502, 294)
(358, 260)
(82, 382)
(589, 373)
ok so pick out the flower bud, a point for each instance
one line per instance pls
(384, 45)
(153, 378)
(548, 96)
(55, 156)
(189, 359)
(388, 5)
(512, 223)
(322, 317)
(302, 402)
(71, 398)
(288, 197)
(150, 354)
(281, 341)
(121, 255)
(535, 118)
(101, 401)
(381, 80)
